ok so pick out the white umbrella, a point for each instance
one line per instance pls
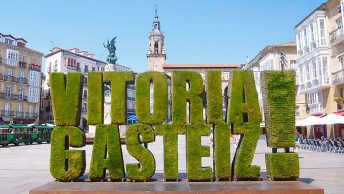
(299, 123)
(331, 119)
(312, 120)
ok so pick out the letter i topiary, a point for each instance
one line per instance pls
(66, 98)
(107, 154)
(119, 81)
(67, 165)
(144, 170)
(95, 99)
(160, 102)
(245, 116)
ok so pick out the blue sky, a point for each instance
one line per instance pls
(196, 31)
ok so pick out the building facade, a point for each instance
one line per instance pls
(75, 60)
(276, 57)
(69, 60)
(320, 62)
(20, 81)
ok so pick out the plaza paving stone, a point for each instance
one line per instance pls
(25, 167)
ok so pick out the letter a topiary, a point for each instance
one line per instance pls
(95, 114)
(67, 165)
(107, 154)
(66, 98)
(144, 170)
(195, 151)
(245, 116)
(160, 102)
(182, 95)
(170, 133)
(119, 81)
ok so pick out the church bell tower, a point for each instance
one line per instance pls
(156, 54)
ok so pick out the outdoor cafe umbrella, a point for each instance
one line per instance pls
(312, 120)
(332, 119)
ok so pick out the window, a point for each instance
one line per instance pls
(20, 108)
(12, 57)
(86, 68)
(325, 72)
(322, 32)
(7, 108)
(341, 60)
(20, 93)
(85, 93)
(93, 69)
(314, 65)
(8, 91)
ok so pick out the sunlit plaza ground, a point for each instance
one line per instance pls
(25, 167)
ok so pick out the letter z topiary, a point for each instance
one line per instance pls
(67, 165)
(66, 98)
(245, 116)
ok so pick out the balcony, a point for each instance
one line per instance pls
(21, 80)
(73, 69)
(336, 36)
(338, 77)
(13, 96)
(7, 113)
(20, 114)
(34, 67)
(315, 83)
(9, 78)
(31, 115)
(315, 108)
(22, 65)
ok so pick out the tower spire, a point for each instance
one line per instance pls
(156, 10)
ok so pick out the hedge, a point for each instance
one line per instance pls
(222, 150)
(278, 91)
(282, 166)
(214, 97)
(67, 165)
(107, 154)
(244, 105)
(181, 96)
(119, 81)
(144, 170)
(170, 133)
(95, 99)
(160, 102)
(66, 98)
(195, 151)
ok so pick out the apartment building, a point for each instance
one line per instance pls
(20, 80)
(276, 57)
(320, 61)
(76, 60)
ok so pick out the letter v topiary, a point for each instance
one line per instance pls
(66, 98)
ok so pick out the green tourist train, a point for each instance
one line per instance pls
(27, 134)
